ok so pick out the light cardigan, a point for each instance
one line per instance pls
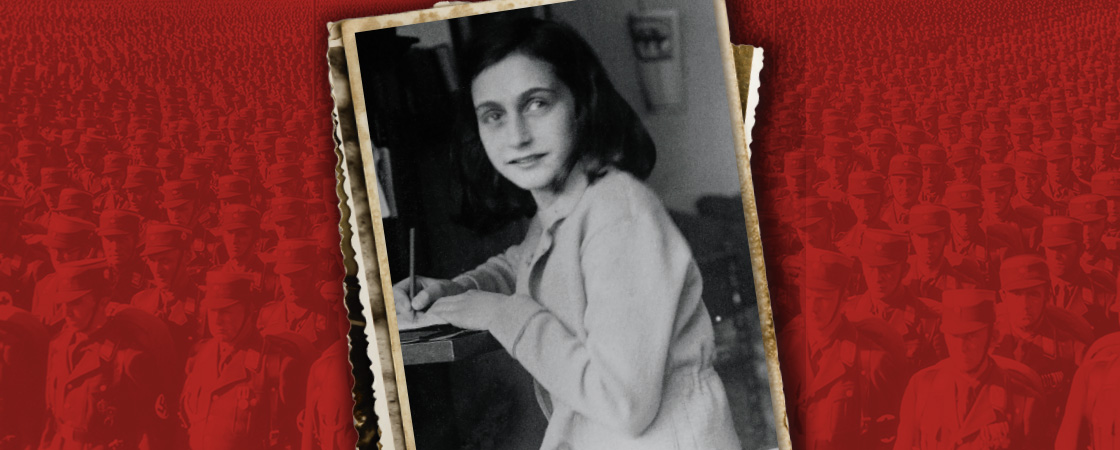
(604, 311)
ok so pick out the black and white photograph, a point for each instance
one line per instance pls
(559, 228)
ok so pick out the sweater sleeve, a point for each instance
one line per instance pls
(634, 273)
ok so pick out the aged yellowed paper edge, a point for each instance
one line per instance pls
(390, 384)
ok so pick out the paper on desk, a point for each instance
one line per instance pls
(422, 320)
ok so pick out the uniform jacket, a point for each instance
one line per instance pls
(604, 311)
(328, 419)
(1003, 414)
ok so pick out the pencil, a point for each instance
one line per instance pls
(411, 264)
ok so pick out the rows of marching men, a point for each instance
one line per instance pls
(940, 202)
(170, 269)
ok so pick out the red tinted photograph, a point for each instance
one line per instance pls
(939, 215)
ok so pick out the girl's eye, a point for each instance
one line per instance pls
(536, 104)
(490, 117)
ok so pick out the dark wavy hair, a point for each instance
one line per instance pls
(610, 133)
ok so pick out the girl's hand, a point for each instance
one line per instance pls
(430, 290)
(471, 310)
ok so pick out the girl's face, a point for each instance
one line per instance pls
(526, 121)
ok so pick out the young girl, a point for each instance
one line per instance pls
(601, 301)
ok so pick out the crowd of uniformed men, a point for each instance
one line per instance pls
(170, 270)
(942, 228)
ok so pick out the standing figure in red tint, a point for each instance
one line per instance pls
(933, 159)
(67, 240)
(23, 351)
(1031, 330)
(1104, 140)
(865, 199)
(29, 162)
(880, 149)
(21, 265)
(972, 125)
(1000, 218)
(1030, 176)
(1092, 211)
(970, 245)
(240, 232)
(948, 130)
(846, 389)
(111, 194)
(1082, 165)
(800, 174)
(1108, 185)
(105, 368)
(931, 271)
(965, 162)
(242, 390)
(173, 297)
(883, 258)
(328, 418)
(905, 180)
(301, 308)
(971, 400)
(1089, 295)
(141, 188)
(119, 231)
(1090, 419)
(994, 148)
(1061, 183)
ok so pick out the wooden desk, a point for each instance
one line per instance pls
(444, 344)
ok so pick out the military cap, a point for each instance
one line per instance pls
(962, 152)
(883, 247)
(168, 158)
(815, 209)
(231, 186)
(1083, 115)
(65, 232)
(71, 199)
(865, 121)
(177, 193)
(195, 167)
(235, 217)
(826, 269)
(882, 137)
(145, 137)
(226, 288)
(164, 237)
(1020, 127)
(947, 121)
(76, 279)
(1106, 184)
(1042, 128)
(284, 172)
(294, 255)
(1062, 121)
(971, 117)
(1088, 207)
(865, 183)
(318, 167)
(1060, 230)
(54, 177)
(1103, 136)
(967, 310)
(288, 208)
(214, 149)
(912, 135)
(1030, 162)
(963, 196)
(837, 146)
(141, 177)
(1023, 271)
(925, 219)
(798, 163)
(996, 175)
(905, 165)
(114, 162)
(996, 115)
(117, 222)
(27, 148)
(243, 160)
(1056, 149)
(932, 154)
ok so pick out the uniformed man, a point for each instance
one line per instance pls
(140, 187)
(880, 149)
(23, 359)
(1092, 211)
(105, 369)
(119, 231)
(1083, 164)
(21, 265)
(836, 163)
(1088, 295)
(328, 419)
(1031, 330)
(1107, 184)
(173, 297)
(905, 181)
(865, 200)
(846, 389)
(971, 400)
(965, 161)
(933, 159)
(300, 309)
(242, 390)
(1000, 218)
(1030, 176)
(1091, 419)
(67, 239)
(931, 272)
(883, 260)
(240, 233)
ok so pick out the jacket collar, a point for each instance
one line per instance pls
(566, 200)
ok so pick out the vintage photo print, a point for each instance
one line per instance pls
(549, 203)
